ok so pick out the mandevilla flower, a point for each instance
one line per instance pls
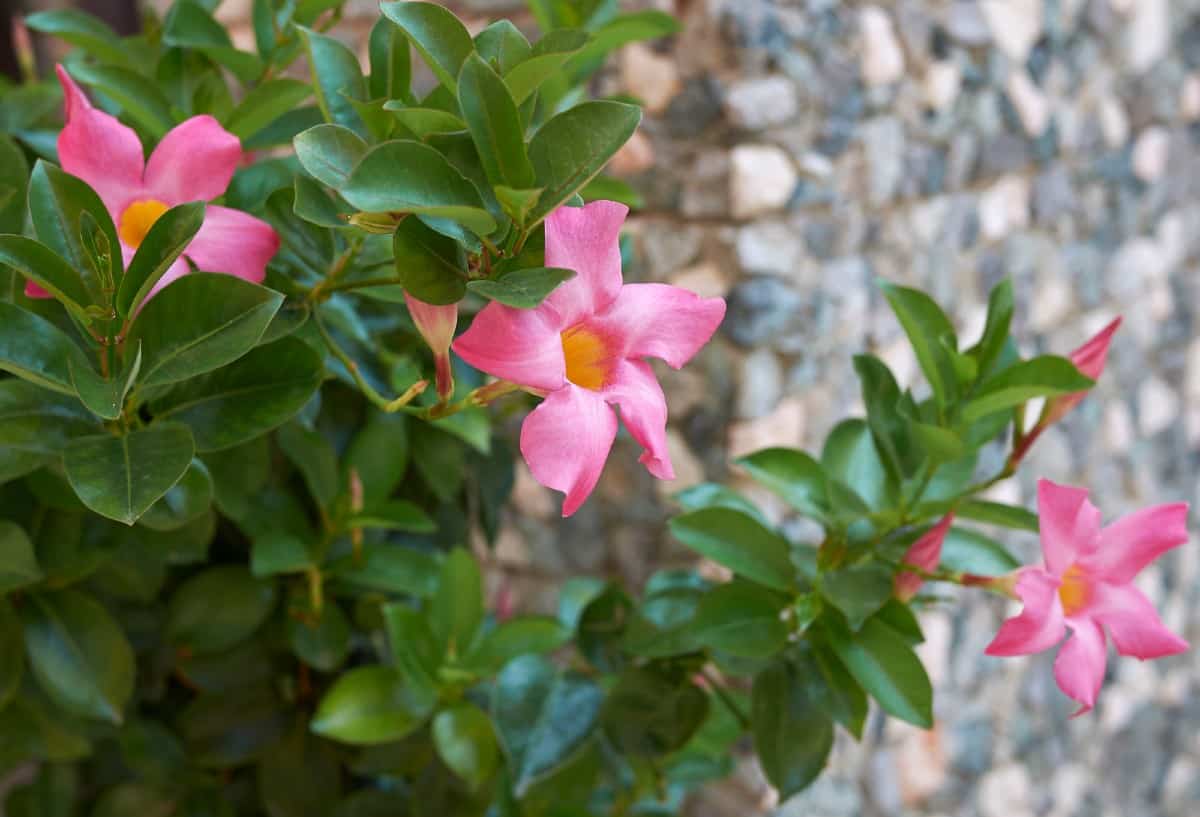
(193, 162)
(436, 325)
(1089, 359)
(925, 553)
(583, 348)
(1086, 585)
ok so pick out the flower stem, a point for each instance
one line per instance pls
(378, 400)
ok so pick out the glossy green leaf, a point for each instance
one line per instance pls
(429, 265)
(105, 397)
(523, 289)
(739, 619)
(316, 459)
(651, 714)
(218, 609)
(543, 716)
(120, 477)
(391, 568)
(793, 733)
(369, 705)
(18, 564)
(162, 246)
(411, 177)
(997, 513)
(414, 648)
(466, 743)
(233, 726)
(995, 330)
(279, 552)
(329, 153)
(457, 608)
(886, 667)
(391, 62)
(941, 444)
(424, 121)
(395, 514)
(494, 123)
(46, 268)
(547, 57)
(710, 494)
(337, 78)
(140, 97)
(518, 636)
(837, 692)
(184, 502)
(78, 654)
(792, 474)
(739, 542)
(323, 644)
(1043, 376)
(926, 324)
(199, 323)
(190, 25)
(80, 29)
(858, 590)
(502, 45)
(574, 146)
(264, 104)
(967, 551)
(436, 33)
(889, 414)
(300, 777)
(850, 456)
(258, 392)
(14, 184)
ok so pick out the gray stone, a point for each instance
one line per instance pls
(965, 22)
(761, 384)
(773, 247)
(1053, 194)
(761, 103)
(883, 142)
(759, 309)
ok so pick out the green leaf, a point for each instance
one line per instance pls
(78, 654)
(523, 289)
(391, 568)
(793, 733)
(233, 726)
(502, 45)
(264, 104)
(627, 28)
(543, 716)
(517, 204)
(457, 608)
(278, 552)
(888, 415)
(858, 590)
(429, 265)
(314, 456)
(12, 646)
(739, 619)
(414, 649)
(329, 153)
(14, 184)
(967, 551)
(466, 743)
(336, 78)
(574, 146)
(739, 542)
(926, 324)
(391, 62)
(395, 514)
(258, 392)
(941, 444)
(850, 456)
(547, 57)
(18, 565)
(190, 25)
(518, 636)
(424, 121)
(837, 692)
(185, 502)
(410, 177)
(650, 714)
(1043, 376)
(435, 32)
(323, 644)
(46, 268)
(199, 323)
(83, 30)
(140, 98)
(313, 204)
(885, 666)
(495, 124)
(996, 513)
(300, 777)
(612, 189)
(106, 397)
(40, 421)
(162, 246)
(710, 494)
(369, 705)
(995, 331)
(120, 477)
(218, 609)
(795, 476)
(36, 350)
(65, 212)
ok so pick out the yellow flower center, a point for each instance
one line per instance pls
(587, 358)
(1074, 592)
(137, 220)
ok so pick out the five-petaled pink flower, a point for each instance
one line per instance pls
(1089, 359)
(194, 162)
(584, 349)
(925, 553)
(1087, 586)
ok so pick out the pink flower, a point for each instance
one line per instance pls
(584, 349)
(1090, 359)
(925, 553)
(193, 162)
(436, 325)
(1086, 585)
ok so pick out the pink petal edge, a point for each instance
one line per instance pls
(565, 441)
(643, 406)
(585, 239)
(1040, 624)
(194, 162)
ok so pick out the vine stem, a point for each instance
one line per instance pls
(378, 400)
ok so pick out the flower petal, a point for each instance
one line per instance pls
(97, 148)
(521, 345)
(566, 440)
(585, 239)
(1079, 667)
(174, 272)
(663, 321)
(1091, 356)
(1133, 622)
(1040, 624)
(33, 290)
(1137, 539)
(644, 412)
(193, 162)
(233, 242)
(1069, 524)
(925, 553)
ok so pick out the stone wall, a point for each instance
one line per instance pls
(794, 151)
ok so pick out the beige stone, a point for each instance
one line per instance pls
(943, 80)
(706, 279)
(761, 180)
(635, 156)
(1150, 153)
(651, 77)
(882, 56)
(1015, 25)
(782, 427)
(1032, 107)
